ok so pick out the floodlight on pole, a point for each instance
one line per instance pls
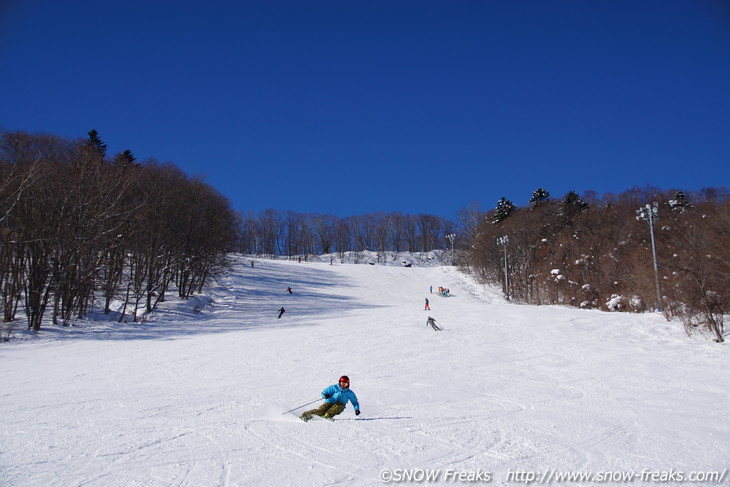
(451, 237)
(650, 213)
(503, 241)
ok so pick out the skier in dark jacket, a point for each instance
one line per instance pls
(335, 400)
(281, 312)
(432, 323)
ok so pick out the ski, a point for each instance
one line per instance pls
(306, 419)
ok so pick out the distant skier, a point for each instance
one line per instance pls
(430, 289)
(289, 290)
(427, 307)
(335, 400)
(281, 312)
(432, 323)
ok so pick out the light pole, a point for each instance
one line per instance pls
(451, 238)
(503, 242)
(649, 214)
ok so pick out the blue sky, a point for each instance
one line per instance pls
(352, 107)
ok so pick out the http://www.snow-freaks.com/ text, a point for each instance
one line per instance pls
(550, 476)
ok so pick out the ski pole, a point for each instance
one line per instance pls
(301, 406)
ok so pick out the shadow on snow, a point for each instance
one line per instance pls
(246, 298)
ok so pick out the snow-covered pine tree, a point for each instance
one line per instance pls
(680, 202)
(504, 209)
(539, 197)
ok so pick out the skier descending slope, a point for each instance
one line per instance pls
(335, 400)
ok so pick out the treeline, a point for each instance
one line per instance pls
(79, 227)
(596, 252)
(295, 234)
(76, 226)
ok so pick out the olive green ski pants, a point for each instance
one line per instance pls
(327, 410)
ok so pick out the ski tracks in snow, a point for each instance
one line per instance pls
(195, 398)
(318, 444)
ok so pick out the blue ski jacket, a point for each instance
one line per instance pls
(338, 394)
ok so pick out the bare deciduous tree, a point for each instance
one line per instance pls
(566, 252)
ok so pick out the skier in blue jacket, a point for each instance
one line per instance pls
(335, 400)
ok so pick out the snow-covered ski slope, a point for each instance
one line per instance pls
(504, 391)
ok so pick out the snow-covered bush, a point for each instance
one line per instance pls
(589, 297)
(637, 304)
(616, 303)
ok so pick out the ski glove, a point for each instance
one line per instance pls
(357, 413)
(327, 396)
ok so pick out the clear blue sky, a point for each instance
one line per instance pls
(352, 107)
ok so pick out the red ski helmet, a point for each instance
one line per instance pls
(346, 379)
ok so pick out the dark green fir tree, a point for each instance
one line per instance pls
(96, 143)
(125, 159)
(572, 205)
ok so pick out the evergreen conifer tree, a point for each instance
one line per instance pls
(572, 205)
(125, 158)
(503, 211)
(95, 142)
(539, 197)
(680, 202)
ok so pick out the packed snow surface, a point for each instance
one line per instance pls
(504, 392)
